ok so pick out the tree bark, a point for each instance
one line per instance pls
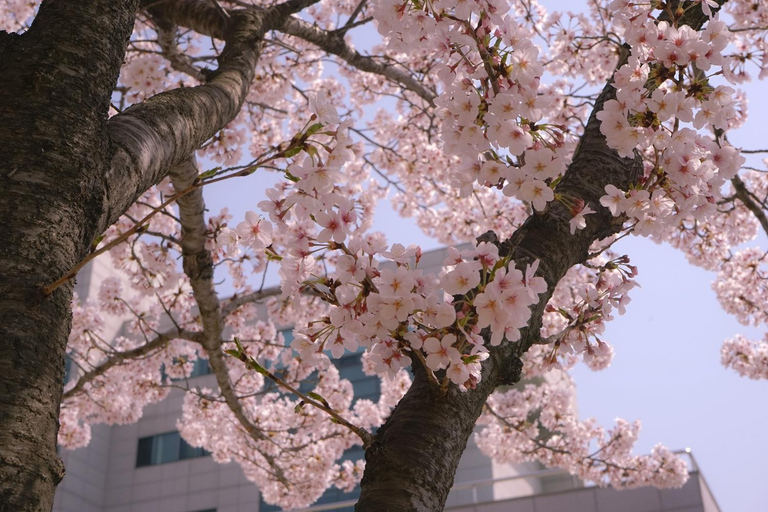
(387, 483)
(67, 172)
(55, 86)
(412, 461)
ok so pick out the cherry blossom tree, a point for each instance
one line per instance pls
(537, 137)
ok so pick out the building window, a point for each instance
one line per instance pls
(163, 448)
(350, 368)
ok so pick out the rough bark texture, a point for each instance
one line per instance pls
(414, 456)
(66, 173)
(411, 463)
(444, 423)
(55, 85)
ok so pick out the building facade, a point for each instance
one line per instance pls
(147, 467)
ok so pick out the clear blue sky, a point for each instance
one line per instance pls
(667, 370)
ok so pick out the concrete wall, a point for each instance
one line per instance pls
(594, 499)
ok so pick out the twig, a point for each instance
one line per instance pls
(117, 241)
(251, 363)
(742, 194)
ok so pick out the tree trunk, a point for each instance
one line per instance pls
(55, 85)
(412, 461)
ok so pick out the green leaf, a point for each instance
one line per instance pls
(292, 152)
(209, 174)
(97, 241)
(314, 129)
(319, 398)
(260, 369)
(299, 407)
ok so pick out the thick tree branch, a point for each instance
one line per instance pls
(150, 137)
(199, 16)
(198, 266)
(426, 422)
(202, 16)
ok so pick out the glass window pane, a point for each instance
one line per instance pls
(368, 388)
(166, 448)
(200, 367)
(189, 452)
(352, 373)
(163, 448)
(144, 454)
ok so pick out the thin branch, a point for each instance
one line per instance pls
(743, 195)
(117, 241)
(251, 363)
(166, 39)
(119, 357)
(334, 44)
(747, 29)
(352, 17)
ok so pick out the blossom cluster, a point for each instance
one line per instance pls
(582, 304)
(557, 438)
(490, 107)
(741, 289)
(396, 313)
(18, 14)
(746, 357)
(750, 45)
(664, 96)
(144, 75)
